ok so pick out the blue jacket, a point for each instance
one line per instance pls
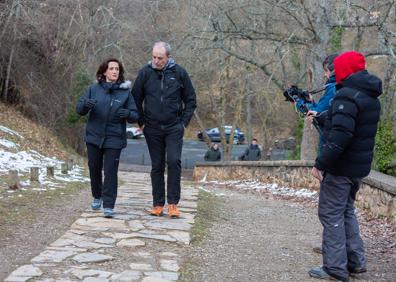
(104, 127)
(324, 102)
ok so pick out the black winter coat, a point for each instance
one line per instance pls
(168, 96)
(350, 126)
(252, 153)
(212, 155)
(104, 127)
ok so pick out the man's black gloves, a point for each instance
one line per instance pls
(90, 103)
(123, 113)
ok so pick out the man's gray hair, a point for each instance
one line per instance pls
(165, 45)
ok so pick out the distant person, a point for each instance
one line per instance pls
(268, 154)
(350, 126)
(110, 105)
(213, 154)
(166, 101)
(253, 152)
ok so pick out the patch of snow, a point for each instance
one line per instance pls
(10, 131)
(24, 160)
(273, 188)
(8, 144)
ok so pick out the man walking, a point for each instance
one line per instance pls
(350, 126)
(166, 101)
(252, 153)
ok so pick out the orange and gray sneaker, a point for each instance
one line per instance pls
(156, 211)
(173, 211)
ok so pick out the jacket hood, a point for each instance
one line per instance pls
(170, 64)
(364, 81)
(348, 63)
(127, 84)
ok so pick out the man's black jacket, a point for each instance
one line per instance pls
(164, 97)
(350, 126)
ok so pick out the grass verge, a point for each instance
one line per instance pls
(207, 206)
(28, 206)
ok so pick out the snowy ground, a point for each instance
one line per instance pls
(273, 188)
(12, 158)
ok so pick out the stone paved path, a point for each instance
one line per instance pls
(133, 246)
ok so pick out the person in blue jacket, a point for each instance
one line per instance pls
(110, 105)
(316, 109)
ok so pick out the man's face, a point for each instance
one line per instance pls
(327, 72)
(254, 142)
(160, 58)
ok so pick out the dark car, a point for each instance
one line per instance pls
(214, 134)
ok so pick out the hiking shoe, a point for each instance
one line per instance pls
(156, 211)
(318, 272)
(173, 211)
(108, 213)
(317, 250)
(357, 270)
(96, 204)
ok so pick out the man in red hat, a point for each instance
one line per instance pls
(350, 126)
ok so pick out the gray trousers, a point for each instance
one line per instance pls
(341, 244)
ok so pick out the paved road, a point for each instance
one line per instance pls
(193, 151)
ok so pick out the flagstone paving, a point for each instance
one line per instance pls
(133, 246)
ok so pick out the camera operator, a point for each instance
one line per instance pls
(316, 109)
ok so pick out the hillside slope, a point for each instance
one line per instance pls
(37, 212)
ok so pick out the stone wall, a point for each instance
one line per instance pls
(377, 193)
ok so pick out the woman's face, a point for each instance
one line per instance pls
(112, 72)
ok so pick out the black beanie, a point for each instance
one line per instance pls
(329, 61)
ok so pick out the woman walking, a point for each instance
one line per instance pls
(110, 105)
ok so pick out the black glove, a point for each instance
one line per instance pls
(123, 113)
(90, 103)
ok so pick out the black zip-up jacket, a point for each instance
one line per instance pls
(164, 97)
(350, 126)
(104, 127)
(212, 155)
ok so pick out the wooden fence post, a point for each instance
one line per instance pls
(50, 171)
(13, 179)
(70, 163)
(64, 168)
(34, 173)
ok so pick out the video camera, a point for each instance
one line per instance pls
(301, 98)
(298, 96)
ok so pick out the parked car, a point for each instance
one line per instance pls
(214, 134)
(134, 132)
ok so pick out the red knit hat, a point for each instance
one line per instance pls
(348, 63)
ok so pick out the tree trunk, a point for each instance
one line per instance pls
(249, 132)
(7, 79)
(310, 140)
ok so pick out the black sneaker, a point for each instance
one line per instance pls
(357, 270)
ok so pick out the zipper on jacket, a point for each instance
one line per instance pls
(162, 90)
(107, 120)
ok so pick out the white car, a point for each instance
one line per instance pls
(134, 132)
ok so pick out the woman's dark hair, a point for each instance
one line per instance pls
(103, 68)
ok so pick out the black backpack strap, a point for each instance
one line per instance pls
(177, 72)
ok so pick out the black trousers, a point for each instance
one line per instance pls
(342, 245)
(165, 145)
(106, 160)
